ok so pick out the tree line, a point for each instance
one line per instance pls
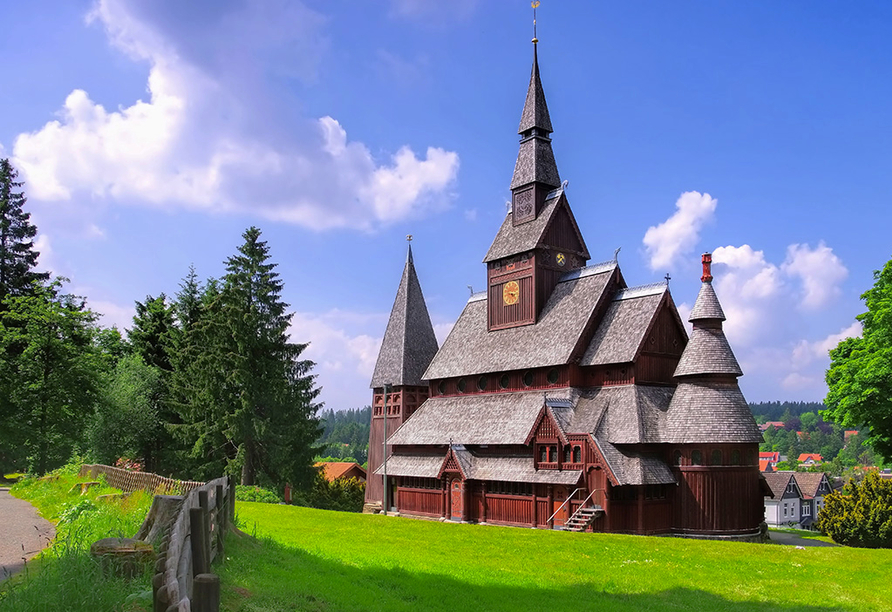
(203, 383)
(345, 434)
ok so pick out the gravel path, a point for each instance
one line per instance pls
(791, 539)
(23, 533)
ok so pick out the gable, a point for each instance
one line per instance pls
(562, 232)
(546, 428)
(622, 330)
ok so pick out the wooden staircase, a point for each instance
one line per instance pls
(582, 518)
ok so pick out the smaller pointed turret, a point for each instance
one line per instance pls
(707, 405)
(409, 342)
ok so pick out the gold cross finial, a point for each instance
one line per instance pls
(535, 4)
(408, 237)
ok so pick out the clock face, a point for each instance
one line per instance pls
(561, 259)
(511, 293)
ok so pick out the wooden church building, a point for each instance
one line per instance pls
(562, 398)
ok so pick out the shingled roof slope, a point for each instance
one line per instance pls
(535, 111)
(498, 418)
(471, 349)
(710, 411)
(535, 163)
(626, 414)
(622, 330)
(631, 468)
(501, 469)
(707, 352)
(513, 239)
(707, 305)
(409, 342)
(810, 481)
(778, 482)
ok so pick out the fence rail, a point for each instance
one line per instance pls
(139, 481)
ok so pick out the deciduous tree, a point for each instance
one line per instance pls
(860, 375)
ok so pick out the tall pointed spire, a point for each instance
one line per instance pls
(409, 342)
(535, 110)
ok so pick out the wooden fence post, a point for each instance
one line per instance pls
(198, 539)
(222, 508)
(159, 598)
(206, 593)
(232, 500)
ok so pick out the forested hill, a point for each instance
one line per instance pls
(773, 411)
(345, 433)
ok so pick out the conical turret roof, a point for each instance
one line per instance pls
(535, 110)
(409, 342)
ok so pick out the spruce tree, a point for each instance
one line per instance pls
(17, 254)
(253, 388)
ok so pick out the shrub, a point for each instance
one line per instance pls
(252, 493)
(861, 515)
(343, 494)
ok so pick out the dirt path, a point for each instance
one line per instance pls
(23, 533)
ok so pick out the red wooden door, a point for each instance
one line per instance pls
(457, 500)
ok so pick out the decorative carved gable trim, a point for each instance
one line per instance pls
(451, 464)
(546, 427)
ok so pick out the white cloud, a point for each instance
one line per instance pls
(437, 12)
(442, 331)
(113, 315)
(210, 135)
(678, 235)
(45, 261)
(805, 352)
(819, 270)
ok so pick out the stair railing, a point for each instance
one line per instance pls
(569, 497)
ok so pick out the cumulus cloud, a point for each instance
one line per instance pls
(819, 270)
(212, 136)
(805, 353)
(678, 235)
(113, 315)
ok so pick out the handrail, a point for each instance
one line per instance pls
(569, 497)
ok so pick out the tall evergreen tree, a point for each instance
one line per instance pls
(253, 388)
(152, 331)
(17, 254)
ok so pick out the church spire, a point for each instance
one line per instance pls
(409, 342)
(535, 173)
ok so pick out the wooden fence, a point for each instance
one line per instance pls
(183, 581)
(139, 481)
(192, 537)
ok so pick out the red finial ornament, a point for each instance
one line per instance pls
(707, 268)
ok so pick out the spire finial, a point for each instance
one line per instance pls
(535, 4)
(408, 237)
(707, 268)
(667, 278)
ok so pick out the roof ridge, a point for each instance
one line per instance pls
(589, 270)
(641, 291)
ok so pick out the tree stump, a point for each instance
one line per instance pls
(126, 557)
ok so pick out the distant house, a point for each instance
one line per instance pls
(765, 465)
(784, 507)
(769, 459)
(849, 433)
(341, 469)
(775, 424)
(810, 459)
(815, 486)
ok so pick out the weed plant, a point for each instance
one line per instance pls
(305, 559)
(65, 576)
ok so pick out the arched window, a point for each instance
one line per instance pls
(677, 459)
(543, 454)
(716, 458)
(577, 454)
(735, 457)
(567, 454)
(696, 457)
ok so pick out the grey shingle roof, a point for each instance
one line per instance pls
(809, 482)
(626, 414)
(511, 240)
(535, 163)
(502, 469)
(535, 111)
(707, 352)
(631, 468)
(709, 411)
(622, 330)
(707, 305)
(409, 342)
(471, 349)
(497, 418)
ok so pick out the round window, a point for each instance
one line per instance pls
(528, 379)
(461, 385)
(441, 388)
(481, 383)
(504, 381)
(553, 376)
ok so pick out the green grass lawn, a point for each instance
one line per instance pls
(308, 559)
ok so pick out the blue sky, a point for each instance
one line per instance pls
(150, 135)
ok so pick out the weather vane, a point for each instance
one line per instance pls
(408, 237)
(535, 4)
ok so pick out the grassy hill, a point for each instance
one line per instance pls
(308, 559)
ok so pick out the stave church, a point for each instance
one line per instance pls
(563, 398)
